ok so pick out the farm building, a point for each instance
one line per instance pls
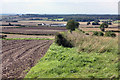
(42, 24)
(60, 25)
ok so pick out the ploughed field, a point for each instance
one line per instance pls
(35, 30)
(18, 56)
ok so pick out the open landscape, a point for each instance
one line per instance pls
(58, 45)
(31, 49)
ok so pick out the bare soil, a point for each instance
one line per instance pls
(18, 56)
(35, 30)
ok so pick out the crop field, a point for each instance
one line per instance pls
(98, 29)
(18, 56)
(34, 23)
(35, 30)
(27, 51)
(27, 36)
(8, 26)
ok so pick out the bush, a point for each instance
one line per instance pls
(3, 36)
(62, 41)
(88, 23)
(110, 34)
(96, 33)
(86, 33)
(80, 30)
(95, 23)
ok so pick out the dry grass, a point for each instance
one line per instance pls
(8, 26)
(98, 29)
(92, 43)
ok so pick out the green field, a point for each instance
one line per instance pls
(59, 19)
(116, 22)
(61, 62)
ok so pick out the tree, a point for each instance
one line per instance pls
(72, 25)
(95, 23)
(110, 23)
(103, 26)
(88, 23)
(9, 24)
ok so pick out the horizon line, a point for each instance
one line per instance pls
(56, 14)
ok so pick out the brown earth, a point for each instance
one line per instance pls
(18, 56)
(35, 30)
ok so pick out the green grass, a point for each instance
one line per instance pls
(27, 39)
(116, 22)
(61, 62)
(60, 19)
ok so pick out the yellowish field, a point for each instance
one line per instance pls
(98, 29)
(9, 26)
(36, 22)
(27, 36)
(47, 22)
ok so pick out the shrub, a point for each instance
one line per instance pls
(88, 23)
(96, 33)
(95, 23)
(3, 36)
(80, 30)
(86, 33)
(110, 34)
(62, 41)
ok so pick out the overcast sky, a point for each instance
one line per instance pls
(60, 6)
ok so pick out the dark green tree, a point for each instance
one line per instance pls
(72, 25)
(88, 23)
(110, 23)
(103, 26)
(95, 23)
(9, 24)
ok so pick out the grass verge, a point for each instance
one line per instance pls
(61, 62)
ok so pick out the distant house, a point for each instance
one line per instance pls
(53, 25)
(42, 24)
(58, 25)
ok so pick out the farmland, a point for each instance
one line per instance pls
(34, 30)
(28, 36)
(21, 55)
(30, 51)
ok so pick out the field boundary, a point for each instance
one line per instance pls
(27, 39)
(26, 34)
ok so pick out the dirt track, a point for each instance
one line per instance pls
(18, 56)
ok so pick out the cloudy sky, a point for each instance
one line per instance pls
(60, 6)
